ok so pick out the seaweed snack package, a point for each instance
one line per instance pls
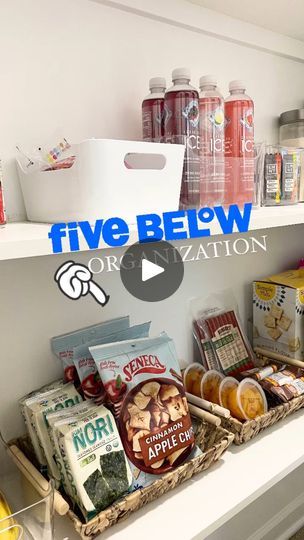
(61, 417)
(26, 405)
(142, 379)
(63, 346)
(86, 368)
(65, 397)
(93, 455)
(50, 386)
(216, 316)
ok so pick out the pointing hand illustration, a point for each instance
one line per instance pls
(75, 280)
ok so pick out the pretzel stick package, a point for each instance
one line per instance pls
(219, 334)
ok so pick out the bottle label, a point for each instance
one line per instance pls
(153, 118)
(212, 165)
(182, 127)
(239, 151)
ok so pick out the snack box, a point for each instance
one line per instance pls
(278, 313)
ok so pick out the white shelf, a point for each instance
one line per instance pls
(202, 505)
(19, 240)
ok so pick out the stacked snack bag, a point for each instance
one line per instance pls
(118, 421)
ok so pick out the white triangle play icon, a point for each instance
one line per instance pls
(150, 270)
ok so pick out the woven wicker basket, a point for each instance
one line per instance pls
(212, 440)
(245, 431)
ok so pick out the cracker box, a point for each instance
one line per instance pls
(278, 313)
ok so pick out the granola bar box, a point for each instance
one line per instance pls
(143, 382)
(278, 313)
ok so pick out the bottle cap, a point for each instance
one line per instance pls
(236, 85)
(181, 73)
(157, 82)
(207, 80)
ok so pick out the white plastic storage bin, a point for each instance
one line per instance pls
(101, 183)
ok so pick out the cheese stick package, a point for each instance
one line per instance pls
(91, 384)
(63, 346)
(143, 381)
(94, 460)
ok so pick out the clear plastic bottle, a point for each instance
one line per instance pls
(239, 145)
(212, 163)
(153, 111)
(182, 127)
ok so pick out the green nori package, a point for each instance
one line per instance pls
(99, 491)
(114, 470)
(93, 457)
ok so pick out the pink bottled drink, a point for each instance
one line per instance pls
(212, 159)
(153, 111)
(182, 127)
(239, 145)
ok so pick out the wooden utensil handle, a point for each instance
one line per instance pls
(38, 481)
(208, 406)
(279, 357)
(204, 415)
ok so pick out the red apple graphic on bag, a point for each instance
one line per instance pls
(92, 385)
(115, 389)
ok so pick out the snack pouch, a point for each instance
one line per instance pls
(94, 458)
(86, 368)
(63, 346)
(142, 379)
(27, 414)
(289, 391)
(65, 397)
(60, 417)
(50, 386)
(216, 320)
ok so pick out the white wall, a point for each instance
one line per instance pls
(33, 309)
(80, 69)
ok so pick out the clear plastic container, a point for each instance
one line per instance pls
(193, 375)
(227, 385)
(282, 172)
(32, 514)
(251, 399)
(259, 159)
(292, 128)
(210, 386)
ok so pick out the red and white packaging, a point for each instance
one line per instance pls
(143, 380)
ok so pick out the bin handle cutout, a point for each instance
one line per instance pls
(144, 161)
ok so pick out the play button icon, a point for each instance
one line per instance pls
(149, 270)
(152, 271)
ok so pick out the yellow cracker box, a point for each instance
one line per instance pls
(278, 313)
